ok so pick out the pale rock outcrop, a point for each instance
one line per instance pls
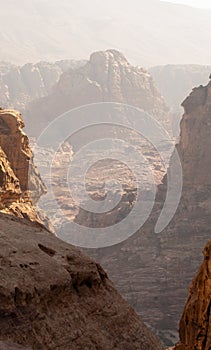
(106, 77)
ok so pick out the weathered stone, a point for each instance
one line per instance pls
(20, 183)
(12, 346)
(53, 297)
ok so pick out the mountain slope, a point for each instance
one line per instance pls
(148, 32)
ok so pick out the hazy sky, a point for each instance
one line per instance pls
(195, 3)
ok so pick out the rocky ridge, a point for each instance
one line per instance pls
(19, 85)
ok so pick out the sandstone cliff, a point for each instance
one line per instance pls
(53, 297)
(20, 183)
(107, 77)
(195, 326)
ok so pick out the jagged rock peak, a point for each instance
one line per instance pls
(108, 55)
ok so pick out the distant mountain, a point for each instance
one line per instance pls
(20, 85)
(150, 32)
(106, 77)
(175, 81)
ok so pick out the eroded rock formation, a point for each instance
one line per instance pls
(20, 183)
(107, 77)
(195, 326)
(53, 297)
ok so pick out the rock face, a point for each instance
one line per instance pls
(194, 144)
(20, 183)
(195, 326)
(107, 77)
(20, 85)
(53, 297)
